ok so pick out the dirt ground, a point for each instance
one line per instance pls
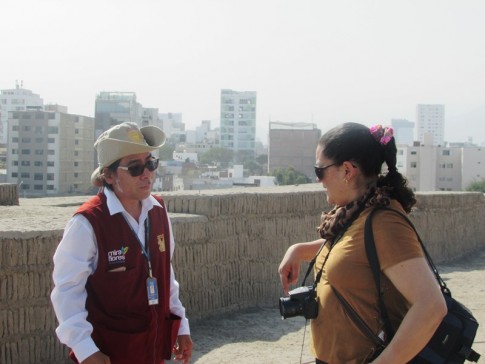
(260, 335)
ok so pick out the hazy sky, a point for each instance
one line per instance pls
(317, 61)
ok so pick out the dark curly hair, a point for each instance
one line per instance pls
(354, 142)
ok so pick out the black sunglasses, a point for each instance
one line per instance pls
(137, 169)
(320, 170)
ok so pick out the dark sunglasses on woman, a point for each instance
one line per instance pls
(137, 169)
(320, 170)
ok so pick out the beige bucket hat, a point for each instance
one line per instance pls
(123, 140)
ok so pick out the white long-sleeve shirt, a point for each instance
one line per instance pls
(76, 258)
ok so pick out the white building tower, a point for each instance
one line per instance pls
(431, 120)
(17, 99)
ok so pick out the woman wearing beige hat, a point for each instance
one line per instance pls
(115, 294)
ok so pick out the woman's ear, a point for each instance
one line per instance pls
(350, 170)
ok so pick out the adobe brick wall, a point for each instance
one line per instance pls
(228, 246)
(9, 194)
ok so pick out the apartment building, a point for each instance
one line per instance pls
(17, 99)
(436, 168)
(403, 131)
(430, 120)
(50, 152)
(113, 108)
(238, 120)
(293, 145)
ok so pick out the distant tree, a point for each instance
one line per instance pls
(220, 156)
(289, 176)
(478, 186)
(262, 159)
(243, 157)
(254, 168)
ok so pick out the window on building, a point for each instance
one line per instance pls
(25, 140)
(25, 151)
(39, 152)
(51, 140)
(50, 187)
(50, 164)
(53, 130)
(38, 163)
(51, 152)
(38, 187)
(50, 176)
(25, 163)
(14, 174)
(25, 175)
(446, 152)
(413, 165)
(38, 176)
(449, 165)
(15, 140)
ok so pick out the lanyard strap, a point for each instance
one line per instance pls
(145, 248)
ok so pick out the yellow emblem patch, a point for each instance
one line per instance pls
(161, 243)
(135, 136)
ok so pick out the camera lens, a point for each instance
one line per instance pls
(290, 308)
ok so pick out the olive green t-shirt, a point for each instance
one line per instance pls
(335, 337)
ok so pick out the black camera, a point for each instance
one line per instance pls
(302, 301)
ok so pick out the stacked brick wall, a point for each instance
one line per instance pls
(9, 194)
(228, 247)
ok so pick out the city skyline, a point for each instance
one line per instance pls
(311, 61)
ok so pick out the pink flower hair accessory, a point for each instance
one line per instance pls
(383, 135)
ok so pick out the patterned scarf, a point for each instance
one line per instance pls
(336, 220)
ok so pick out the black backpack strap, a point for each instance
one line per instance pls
(370, 249)
(371, 252)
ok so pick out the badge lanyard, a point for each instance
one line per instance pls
(152, 287)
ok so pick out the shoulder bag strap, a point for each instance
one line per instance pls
(371, 252)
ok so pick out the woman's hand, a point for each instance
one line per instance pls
(289, 268)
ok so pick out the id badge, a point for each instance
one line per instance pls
(152, 290)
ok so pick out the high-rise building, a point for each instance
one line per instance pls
(403, 131)
(238, 120)
(293, 145)
(50, 152)
(430, 124)
(17, 99)
(113, 108)
(171, 123)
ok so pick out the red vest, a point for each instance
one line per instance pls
(126, 328)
